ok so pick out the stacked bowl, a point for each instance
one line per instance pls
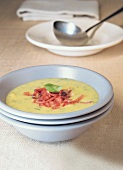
(62, 126)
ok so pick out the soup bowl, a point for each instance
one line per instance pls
(16, 78)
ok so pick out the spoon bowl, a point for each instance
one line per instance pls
(71, 35)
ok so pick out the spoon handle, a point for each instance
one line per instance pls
(108, 17)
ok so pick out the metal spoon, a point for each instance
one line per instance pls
(71, 35)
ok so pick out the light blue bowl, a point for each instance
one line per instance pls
(19, 77)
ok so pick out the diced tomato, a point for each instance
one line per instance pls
(58, 100)
(27, 93)
(54, 107)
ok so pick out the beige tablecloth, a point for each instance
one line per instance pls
(100, 148)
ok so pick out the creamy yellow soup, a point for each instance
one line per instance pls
(16, 98)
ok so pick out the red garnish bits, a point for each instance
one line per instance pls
(54, 100)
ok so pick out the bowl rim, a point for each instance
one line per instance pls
(60, 121)
(56, 116)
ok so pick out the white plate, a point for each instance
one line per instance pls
(106, 36)
(60, 121)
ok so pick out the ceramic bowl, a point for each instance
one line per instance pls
(19, 77)
(54, 133)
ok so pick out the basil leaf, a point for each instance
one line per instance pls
(52, 88)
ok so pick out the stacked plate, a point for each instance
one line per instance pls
(55, 127)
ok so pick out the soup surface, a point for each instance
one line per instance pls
(81, 96)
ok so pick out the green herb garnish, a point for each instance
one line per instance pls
(52, 88)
